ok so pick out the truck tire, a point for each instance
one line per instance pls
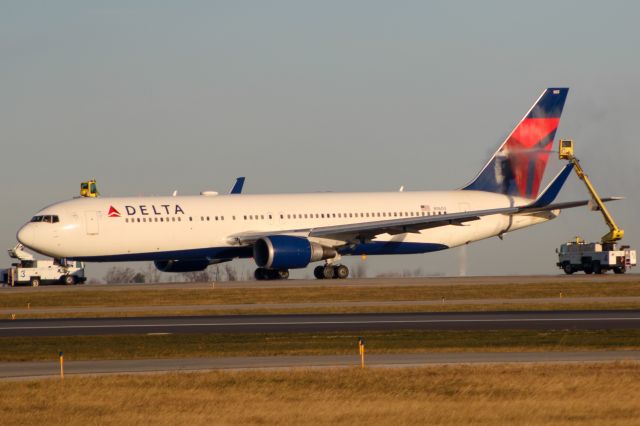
(619, 270)
(588, 270)
(597, 268)
(68, 279)
(568, 269)
(35, 281)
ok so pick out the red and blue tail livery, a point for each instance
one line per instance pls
(518, 166)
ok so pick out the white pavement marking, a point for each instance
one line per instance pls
(357, 322)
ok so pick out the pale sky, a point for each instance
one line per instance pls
(301, 96)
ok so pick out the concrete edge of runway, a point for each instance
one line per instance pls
(50, 369)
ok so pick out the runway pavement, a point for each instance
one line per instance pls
(309, 323)
(16, 370)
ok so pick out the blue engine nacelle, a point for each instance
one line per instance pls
(182, 265)
(287, 252)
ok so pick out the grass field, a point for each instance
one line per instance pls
(273, 344)
(174, 296)
(575, 394)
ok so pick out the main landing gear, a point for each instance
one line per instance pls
(264, 274)
(328, 272)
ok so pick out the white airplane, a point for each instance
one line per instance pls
(287, 231)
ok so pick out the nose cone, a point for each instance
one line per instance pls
(26, 236)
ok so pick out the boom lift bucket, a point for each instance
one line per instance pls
(89, 189)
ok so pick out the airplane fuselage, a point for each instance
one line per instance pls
(195, 227)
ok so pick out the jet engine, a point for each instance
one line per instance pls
(285, 252)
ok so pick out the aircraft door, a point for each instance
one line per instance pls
(92, 223)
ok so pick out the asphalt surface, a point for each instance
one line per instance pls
(351, 282)
(24, 370)
(310, 323)
(315, 305)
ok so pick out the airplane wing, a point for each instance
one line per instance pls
(356, 232)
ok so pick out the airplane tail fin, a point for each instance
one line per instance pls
(518, 165)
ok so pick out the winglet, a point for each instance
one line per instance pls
(237, 188)
(553, 189)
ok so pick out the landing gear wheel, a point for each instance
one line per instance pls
(35, 281)
(68, 280)
(568, 269)
(262, 274)
(341, 272)
(259, 274)
(328, 272)
(318, 272)
(282, 274)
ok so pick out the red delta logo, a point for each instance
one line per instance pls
(113, 212)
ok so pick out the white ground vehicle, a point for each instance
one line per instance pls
(36, 272)
(597, 258)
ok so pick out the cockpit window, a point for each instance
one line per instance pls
(46, 218)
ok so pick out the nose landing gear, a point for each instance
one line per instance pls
(328, 272)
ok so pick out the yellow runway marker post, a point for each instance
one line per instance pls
(361, 349)
(61, 354)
